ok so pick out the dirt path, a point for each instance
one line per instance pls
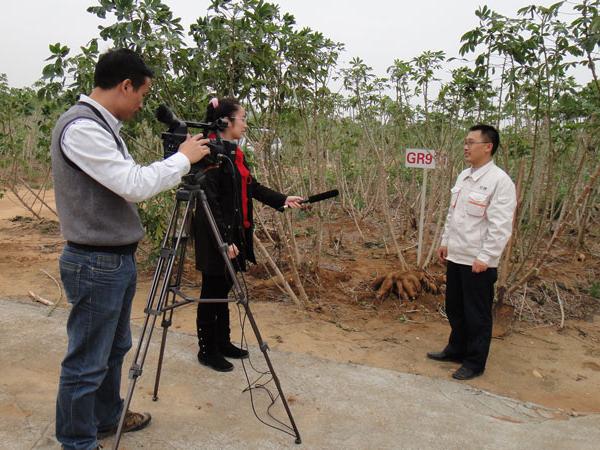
(554, 368)
(335, 405)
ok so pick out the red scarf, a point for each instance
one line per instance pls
(246, 180)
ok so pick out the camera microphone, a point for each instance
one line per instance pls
(165, 115)
(178, 133)
(315, 198)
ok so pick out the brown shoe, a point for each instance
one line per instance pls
(133, 422)
(97, 448)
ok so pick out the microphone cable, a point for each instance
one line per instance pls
(256, 384)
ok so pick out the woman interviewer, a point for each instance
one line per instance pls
(229, 188)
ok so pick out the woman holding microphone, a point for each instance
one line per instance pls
(229, 188)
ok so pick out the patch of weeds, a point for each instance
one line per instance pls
(594, 290)
(307, 232)
(21, 219)
(49, 227)
(371, 244)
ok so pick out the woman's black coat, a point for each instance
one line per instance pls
(222, 186)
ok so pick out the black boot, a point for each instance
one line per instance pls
(226, 348)
(209, 354)
(231, 351)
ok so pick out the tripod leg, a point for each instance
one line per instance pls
(264, 348)
(168, 314)
(136, 367)
(162, 277)
(239, 293)
(166, 323)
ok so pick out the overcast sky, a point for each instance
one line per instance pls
(378, 31)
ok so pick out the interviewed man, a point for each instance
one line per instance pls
(477, 228)
(97, 184)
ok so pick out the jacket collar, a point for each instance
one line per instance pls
(478, 173)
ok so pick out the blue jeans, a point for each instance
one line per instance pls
(100, 288)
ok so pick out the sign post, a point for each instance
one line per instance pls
(421, 159)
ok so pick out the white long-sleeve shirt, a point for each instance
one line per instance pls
(479, 220)
(95, 152)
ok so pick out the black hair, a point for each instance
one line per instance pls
(490, 134)
(117, 65)
(225, 107)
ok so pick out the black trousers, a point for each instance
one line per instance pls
(214, 316)
(469, 298)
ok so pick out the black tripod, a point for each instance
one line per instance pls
(167, 285)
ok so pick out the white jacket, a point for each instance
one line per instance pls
(479, 221)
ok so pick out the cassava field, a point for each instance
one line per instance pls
(313, 289)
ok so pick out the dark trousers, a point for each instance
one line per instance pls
(469, 298)
(214, 316)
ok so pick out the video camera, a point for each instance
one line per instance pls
(178, 131)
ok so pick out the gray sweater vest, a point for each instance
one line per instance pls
(89, 213)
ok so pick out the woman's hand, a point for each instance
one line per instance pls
(294, 202)
(232, 251)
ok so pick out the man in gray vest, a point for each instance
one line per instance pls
(97, 184)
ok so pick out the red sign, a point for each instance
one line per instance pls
(420, 158)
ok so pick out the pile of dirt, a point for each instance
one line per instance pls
(354, 267)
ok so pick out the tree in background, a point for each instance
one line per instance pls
(307, 138)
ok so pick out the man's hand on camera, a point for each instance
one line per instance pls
(293, 202)
(194, 148)
(232, 251)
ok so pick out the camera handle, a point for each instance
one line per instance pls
(166, 288)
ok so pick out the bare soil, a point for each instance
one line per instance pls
(536, 362)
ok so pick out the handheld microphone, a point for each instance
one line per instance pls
(315, 198)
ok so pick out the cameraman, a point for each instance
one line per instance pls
(96, 184)
(230, 189)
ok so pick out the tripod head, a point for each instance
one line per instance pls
(193, 181)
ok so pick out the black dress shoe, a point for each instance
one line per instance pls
(443, 356)
(464, 373)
